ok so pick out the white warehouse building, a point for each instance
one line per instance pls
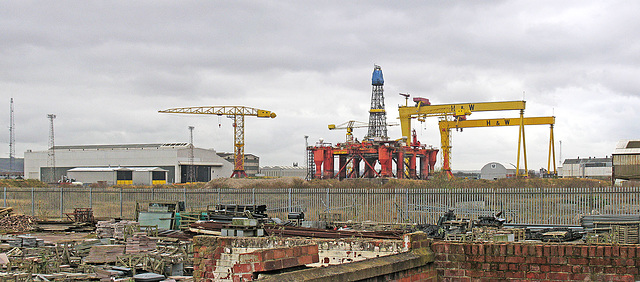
(175, 158)
(600, 168)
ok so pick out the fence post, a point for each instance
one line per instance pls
(253, 196)
(121, 206)
(407, 206)
(5, 197)
(327, 202)
(33, 202)
(290, 207)
(184, 197)
(90, 197)
(61, 202)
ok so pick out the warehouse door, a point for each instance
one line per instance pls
(202, 173)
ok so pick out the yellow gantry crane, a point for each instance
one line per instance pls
(446, 126)
(456, 112)
(237, 113)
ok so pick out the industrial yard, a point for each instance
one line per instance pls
(379, 205)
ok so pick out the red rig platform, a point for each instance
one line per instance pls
(373, 159)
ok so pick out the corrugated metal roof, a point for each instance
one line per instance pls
(120, 146)
(627, 147)
(282, 167)
(116, 168)
(588, 160)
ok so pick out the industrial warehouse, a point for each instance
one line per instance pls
(172, 159)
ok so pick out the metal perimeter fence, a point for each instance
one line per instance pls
(557, 206)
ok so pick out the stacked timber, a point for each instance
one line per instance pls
(139, 242)
(122, 228)
(83, 248)
(104, 254)
(113, 229)
(605, 220)
(104, 229)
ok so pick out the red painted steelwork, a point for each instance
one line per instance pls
(378, 159)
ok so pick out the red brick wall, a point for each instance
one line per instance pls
(211, 254)
(568, 262)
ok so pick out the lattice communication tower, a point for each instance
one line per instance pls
(51, 161)
(192, 170)
(12, 141)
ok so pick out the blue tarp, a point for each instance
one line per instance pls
(376, 78)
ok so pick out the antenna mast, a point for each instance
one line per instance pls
(192, 173)
(51, 162)
(12, 141)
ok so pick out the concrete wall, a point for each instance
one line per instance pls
(224, 258)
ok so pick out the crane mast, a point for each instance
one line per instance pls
(237, 113)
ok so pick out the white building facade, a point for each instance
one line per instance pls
(600, 168)
(495, 170)
(175, 158)
(283, 171)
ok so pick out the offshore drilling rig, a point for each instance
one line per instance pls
(376, 156)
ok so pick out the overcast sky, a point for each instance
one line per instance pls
(106, 67)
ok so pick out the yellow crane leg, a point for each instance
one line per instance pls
(445, 142)
(552, 152)
(522, 143)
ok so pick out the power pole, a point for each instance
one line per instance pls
(192, 173)
(12, 140)
(51, 162)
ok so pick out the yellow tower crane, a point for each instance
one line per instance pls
(423, 109)
(446, 126)
(237, 113)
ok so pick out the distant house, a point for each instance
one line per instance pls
(626, 160)
(598, 168)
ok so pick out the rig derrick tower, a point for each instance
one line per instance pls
(377, 113)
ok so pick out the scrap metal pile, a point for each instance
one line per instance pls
(493, 228)
(28, 258)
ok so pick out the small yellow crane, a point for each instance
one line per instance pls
(237, 113)
(350, 125)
